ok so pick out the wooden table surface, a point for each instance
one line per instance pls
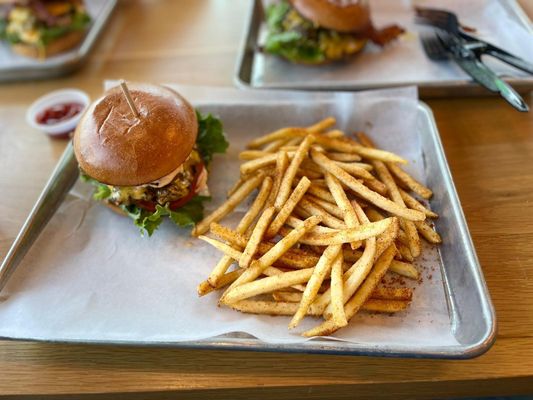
(489, 148)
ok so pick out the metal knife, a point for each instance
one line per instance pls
(60, 182)
(470, 62)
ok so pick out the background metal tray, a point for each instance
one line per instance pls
(61, 64)
(471, 315)
(243, 76)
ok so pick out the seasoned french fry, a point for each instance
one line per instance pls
(236, 186)
(327, 219)
(276, 251)
(409, 181)
(385, 306)
(294, 258)
(265, 307)
(360, 297)
(321, 125)
(255, 164)
(321, 193)
(380, 293)
(331, 208)
(334, 134)
(387, 238)
(229, 205)
(283, 133)
(428, 233)
(265, 285)
(275, 145)
(405, 252)
(256, 206)
(205, 287)
(273, 271)
(413, 203)
(282, 161)
(319, 273)
(287, 179)
(337, 293)
(350, 217)
(308, 173)
(404, 269)
(256, 237)
(223, 247)
(386, 293)
(293, 222)
(350, 146)
(348, 235)
(344, 157)
(364, 192)
(252, 154)
(399, 267)
(355, 170)
(269, 307)
(355, 276)
(288, 207)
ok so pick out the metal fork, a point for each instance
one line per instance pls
(448, 21)
(433, 47)
(442, 19)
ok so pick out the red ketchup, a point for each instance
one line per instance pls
(58, 113)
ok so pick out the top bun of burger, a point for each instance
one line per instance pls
(340, 15)
(115, 147)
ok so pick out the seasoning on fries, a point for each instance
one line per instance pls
(331, 217)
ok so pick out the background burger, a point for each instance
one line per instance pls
(321, 31)
(151, 165)
(41, 28)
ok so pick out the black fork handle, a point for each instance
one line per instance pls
(501, 54)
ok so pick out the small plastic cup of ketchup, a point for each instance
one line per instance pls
(57, 113)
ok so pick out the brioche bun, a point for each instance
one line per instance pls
(340, 15)
(59, 45)
(116, 148)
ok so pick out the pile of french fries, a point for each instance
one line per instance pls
(331, 217)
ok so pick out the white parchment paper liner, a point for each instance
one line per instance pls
(91, 277)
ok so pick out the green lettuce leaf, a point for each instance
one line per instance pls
(294, 43)
(102, 191)
(79, 22)
(211, 137)
(184, 217)
(275, 13)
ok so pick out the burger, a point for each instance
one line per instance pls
(41, 28)
(152, 161)
(322, 31)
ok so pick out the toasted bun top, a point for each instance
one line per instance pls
(339, 15)
(116, 148)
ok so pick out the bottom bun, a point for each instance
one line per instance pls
(59, 45)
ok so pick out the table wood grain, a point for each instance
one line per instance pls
(489, 148)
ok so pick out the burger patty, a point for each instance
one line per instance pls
(175, 190)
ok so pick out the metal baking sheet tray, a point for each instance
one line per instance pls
(257, 70)
(14, 67)
(467, 309)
